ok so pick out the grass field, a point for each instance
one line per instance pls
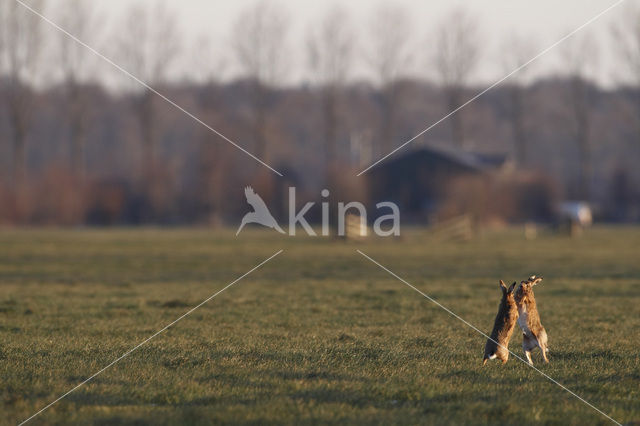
(319, 334)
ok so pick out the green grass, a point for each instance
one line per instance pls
(317, 335)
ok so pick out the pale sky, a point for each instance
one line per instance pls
(542, 21)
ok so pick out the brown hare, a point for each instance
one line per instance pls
(533, 332)
(497, 345)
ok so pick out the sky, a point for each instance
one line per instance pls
(543, 22)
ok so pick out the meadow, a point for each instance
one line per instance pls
(317, 335)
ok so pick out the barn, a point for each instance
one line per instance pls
(417, 180)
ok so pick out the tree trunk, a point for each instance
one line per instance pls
(583, 123)
(260, 97)
(147, 132)
(150, 184)
(585, 161)
(19, 118)
(457, 125)
(19, 157)
(330, 102)
(388, 130)
(638, 113)
(76, 112)
(517, 123)
(330, 128)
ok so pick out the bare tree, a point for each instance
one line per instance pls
(210, 61)
(22, 48)
(580, 55)
(457, 52)
(330, 49)
(78, 18)
(3, 35)
(390, 53)
(148, 45)
(213, 156)
(259, 40)
(626, 40)
(517, 51)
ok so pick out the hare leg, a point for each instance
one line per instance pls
(528, 355)
(544, 350)
(528, 343)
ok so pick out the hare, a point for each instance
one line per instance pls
(497, 345)
(533, 332)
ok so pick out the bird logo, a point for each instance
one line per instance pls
(260, 214)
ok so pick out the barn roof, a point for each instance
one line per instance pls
(476, 161)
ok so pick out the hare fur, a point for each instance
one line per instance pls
(497, 345)
(533, 333)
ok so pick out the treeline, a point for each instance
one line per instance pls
(74, 151)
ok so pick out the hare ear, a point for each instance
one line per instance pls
(503, 286)
(512, 287)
